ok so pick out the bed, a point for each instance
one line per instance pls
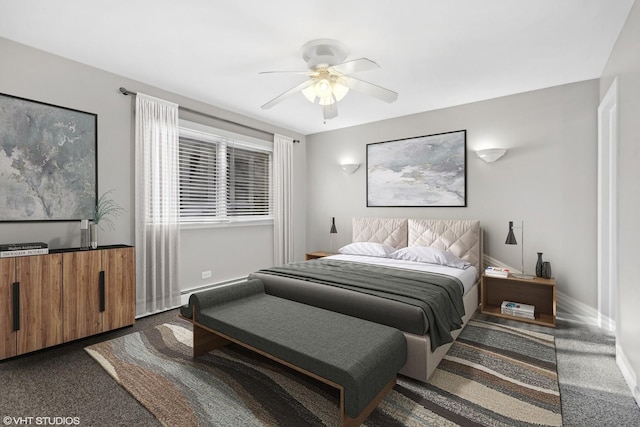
(390, 250)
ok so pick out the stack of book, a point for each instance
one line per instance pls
(517, 309)
(23, 249)
(496, 272)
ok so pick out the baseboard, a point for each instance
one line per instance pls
(186, 293)
(605, 322)
(628, 373)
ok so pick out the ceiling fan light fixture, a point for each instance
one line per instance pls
(325, 91)
(339, 91)
(310, 93)
(323, 88)
(329, 77)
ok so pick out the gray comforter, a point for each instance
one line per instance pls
(438, 296)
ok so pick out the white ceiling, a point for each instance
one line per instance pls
(434, 53)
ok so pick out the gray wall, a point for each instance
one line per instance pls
(547, 179)
(228, 252)
(624, 64)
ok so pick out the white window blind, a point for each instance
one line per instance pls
(223, 179)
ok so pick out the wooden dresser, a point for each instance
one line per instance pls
(65, 295)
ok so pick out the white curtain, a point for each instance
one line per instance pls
(282, 188)
(157, 225)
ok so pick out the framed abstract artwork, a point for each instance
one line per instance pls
(418, 172)
(48, 161)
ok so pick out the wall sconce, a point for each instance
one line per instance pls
(491, 155)
(349, 167)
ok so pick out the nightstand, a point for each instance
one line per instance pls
(538, 292)
(316, 255)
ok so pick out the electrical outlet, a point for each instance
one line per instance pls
(206, 274)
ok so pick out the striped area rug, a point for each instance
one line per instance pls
(494, 375)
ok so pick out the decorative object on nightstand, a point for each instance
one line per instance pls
(546, 270)
(496, 272)
(511, 240)
(518, 310)
(332, 231)
(539, 265)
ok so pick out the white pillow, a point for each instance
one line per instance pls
(430, 255)
(367, 249)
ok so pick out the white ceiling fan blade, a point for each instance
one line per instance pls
(287, 94)
(362, 64)
(305, 73)
(371, 89)
(330, 111)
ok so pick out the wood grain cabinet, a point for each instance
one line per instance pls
(31, 303)
(63, 296)
(98, 291)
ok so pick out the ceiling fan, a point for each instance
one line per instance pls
(330, 77)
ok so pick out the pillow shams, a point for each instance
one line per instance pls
(367, 249)
(430, 255)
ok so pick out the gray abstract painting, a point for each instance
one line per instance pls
(47, 161)
(421, 171)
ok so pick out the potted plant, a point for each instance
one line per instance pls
(106, 209)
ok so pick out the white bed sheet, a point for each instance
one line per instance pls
(468, 276)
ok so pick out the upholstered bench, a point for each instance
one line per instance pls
(358, 357)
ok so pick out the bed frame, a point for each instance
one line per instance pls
(462, 237)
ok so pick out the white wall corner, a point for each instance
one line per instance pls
(630, 376)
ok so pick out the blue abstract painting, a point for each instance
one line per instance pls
(421, 171)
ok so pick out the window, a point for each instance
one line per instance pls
(223, 179)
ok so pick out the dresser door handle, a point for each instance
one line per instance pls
(16, 306)
(101, 290)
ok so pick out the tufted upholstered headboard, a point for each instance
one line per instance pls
(390, 231)
(463, 238)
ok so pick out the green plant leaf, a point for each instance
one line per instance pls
(106, 209)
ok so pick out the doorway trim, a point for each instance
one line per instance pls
(608, 208)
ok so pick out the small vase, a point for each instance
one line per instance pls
(94, 236)
(84, 234)
(546, 270)
(539, 265)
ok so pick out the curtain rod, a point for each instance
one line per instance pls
(127, 92)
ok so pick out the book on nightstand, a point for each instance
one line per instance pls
(519, 310)
(496, 272)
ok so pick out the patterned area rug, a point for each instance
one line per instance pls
(493, 375)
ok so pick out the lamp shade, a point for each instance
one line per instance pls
(491, 155)
(349, 167)
(326, 89)
(333, 226)
(511, 238)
